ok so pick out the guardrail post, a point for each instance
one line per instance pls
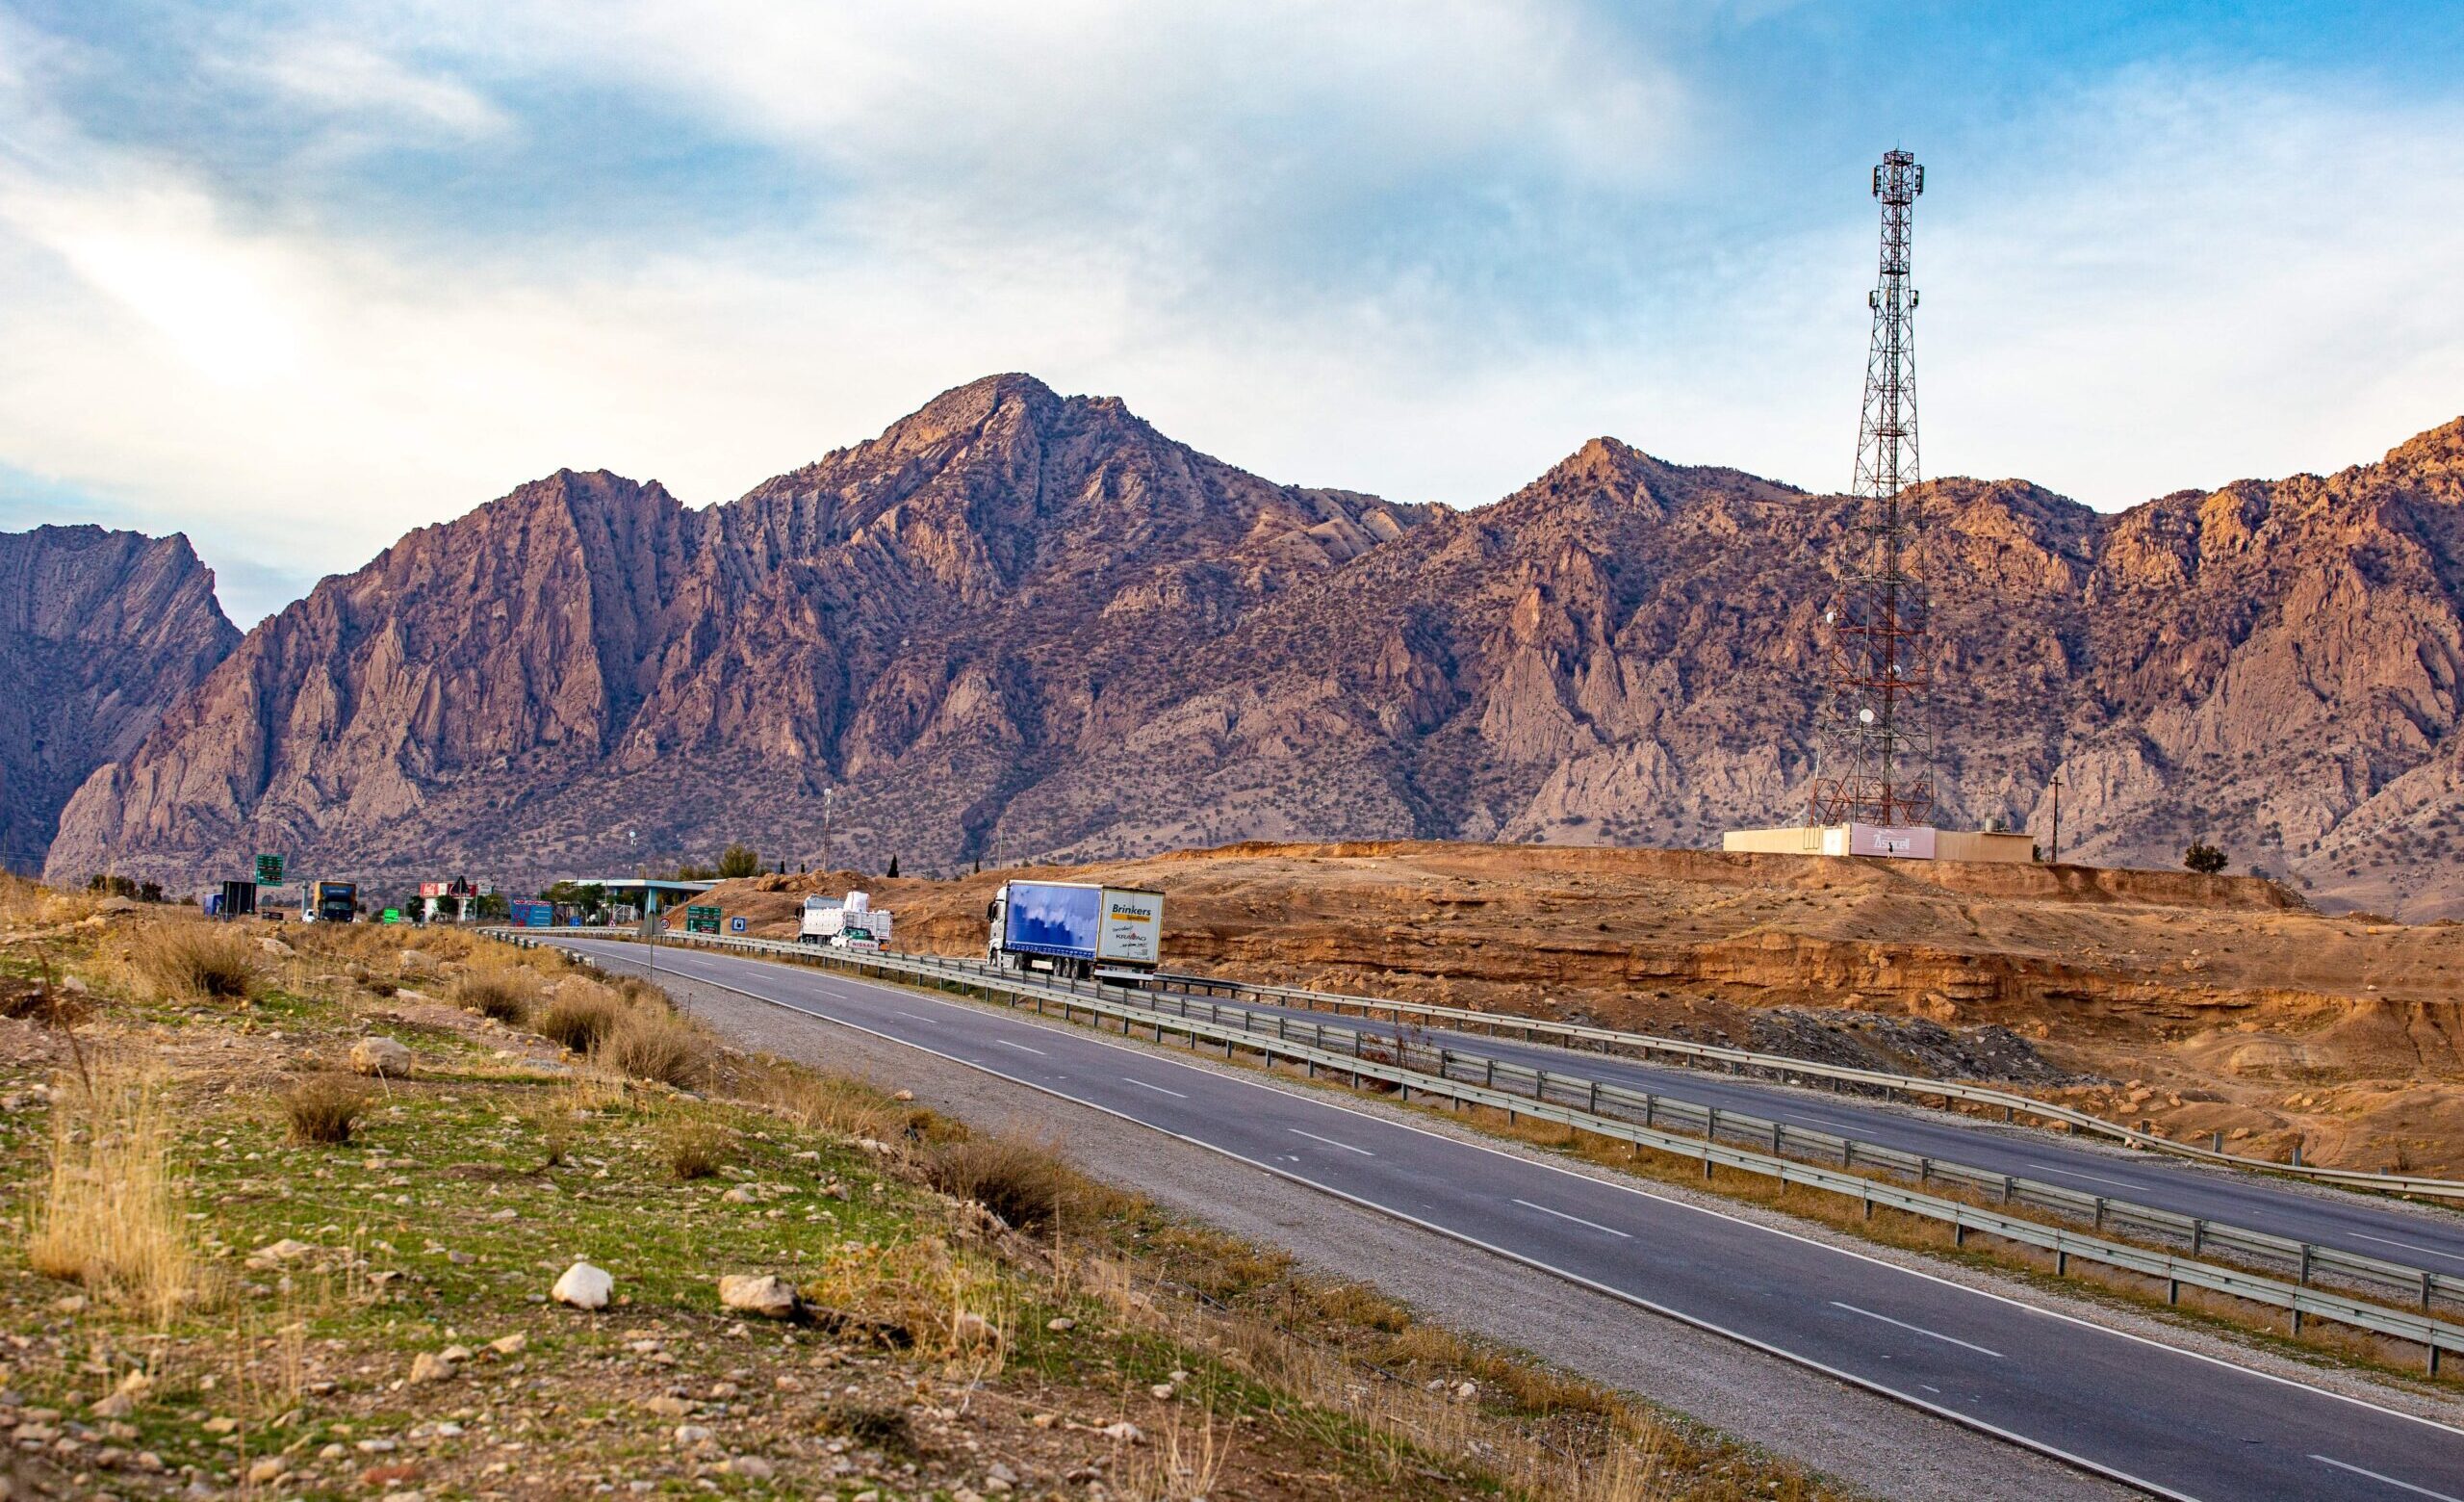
(1959, 1233)
(2101, 1212)
(2198, 1240)
(2009, 1187)
(2172, 1290)
(1869, 1206)
(2060, 1263)
(2426, 1295)
(1710, 1129)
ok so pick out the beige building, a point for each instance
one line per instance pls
(1914, 843)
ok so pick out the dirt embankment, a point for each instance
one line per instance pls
(2201, 1004)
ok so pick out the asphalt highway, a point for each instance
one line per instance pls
(2164, 1419)
(2421, 1237)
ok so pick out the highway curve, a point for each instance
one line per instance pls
(2155, 1416)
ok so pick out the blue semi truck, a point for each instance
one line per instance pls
(1076, 930)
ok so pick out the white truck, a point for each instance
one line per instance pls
(1076, 930)
(851, 923)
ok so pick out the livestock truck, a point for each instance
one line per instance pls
(1076, 930)
(849, 923)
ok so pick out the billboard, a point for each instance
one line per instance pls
(1132, 927)
(527, 914)
(1048, 917)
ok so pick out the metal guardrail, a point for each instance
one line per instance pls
(1610, 1040)
(1368, 1056)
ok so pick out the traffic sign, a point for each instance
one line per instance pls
(735, 925)
(269, 870)
(702, 919)
(392, 914)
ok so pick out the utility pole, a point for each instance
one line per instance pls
(827, 793)
(2057, 821)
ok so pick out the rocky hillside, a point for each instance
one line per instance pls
(99, 630)
(1018, 623)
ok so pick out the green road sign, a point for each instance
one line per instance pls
(269, 870)
(392, 914)
(702, 919)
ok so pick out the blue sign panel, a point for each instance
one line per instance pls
(1054, 919)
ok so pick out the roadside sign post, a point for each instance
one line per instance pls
(735, 925)
(702, 919)
(269, 870)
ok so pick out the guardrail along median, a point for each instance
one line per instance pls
(1645, 1121)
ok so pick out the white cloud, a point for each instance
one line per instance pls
(341, 78)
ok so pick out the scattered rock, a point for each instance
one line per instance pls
(428, 1367)
(1465, 1392)
(903, 1096)
(1060, 1324)
(583, 1287)
(768, 1295)
(739, 1195)
(510, 1345)
(1161, 1391)
(120, 1404)
(1124, 1433)
(382, 1057)
(973, 1329)
(266, 1471)
(691, 1434)
(668, 1406)
(752, 1467)
(274, 947)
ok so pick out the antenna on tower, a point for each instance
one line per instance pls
(1874, 737)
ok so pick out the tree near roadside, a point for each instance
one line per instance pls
(739, 860)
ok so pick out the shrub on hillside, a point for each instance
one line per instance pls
(322, 1107)
(197, 960)
(1027, 1186)
(505, 994)
(650, 1045)
(579, 1017)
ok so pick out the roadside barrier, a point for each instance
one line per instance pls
(1643, 1120)
(1609, 1040)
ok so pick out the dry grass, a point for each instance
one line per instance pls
(653, 1045)
(921, 1293)
(579, 1016)
(1180, 1463)
(110, 1216)
(502, 993)
(698, 1150)
(198, 960)
(843, 1106)
(322, 1107)
(1026, 1184)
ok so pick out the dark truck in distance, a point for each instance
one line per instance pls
(1076, 930)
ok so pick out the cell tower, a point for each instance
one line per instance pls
(1874, 738)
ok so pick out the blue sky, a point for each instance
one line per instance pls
(294, 278)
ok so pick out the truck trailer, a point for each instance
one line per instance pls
(329, 902)
(849, 923)
(1076, 930)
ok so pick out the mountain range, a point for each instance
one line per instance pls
(1018, 624)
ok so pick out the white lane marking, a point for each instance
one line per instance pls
(1577, 1219)
(1329, 1141)
(2363, 1235)
(910, 1016)
(1935, 1334)
(2072, 1173)
(1157, 1089)
(1021, 1047)
(2400, 1485)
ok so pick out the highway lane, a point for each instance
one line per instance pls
(2162, 1418)
(2418, 1236)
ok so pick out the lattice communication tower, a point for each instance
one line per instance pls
(1874, 737)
